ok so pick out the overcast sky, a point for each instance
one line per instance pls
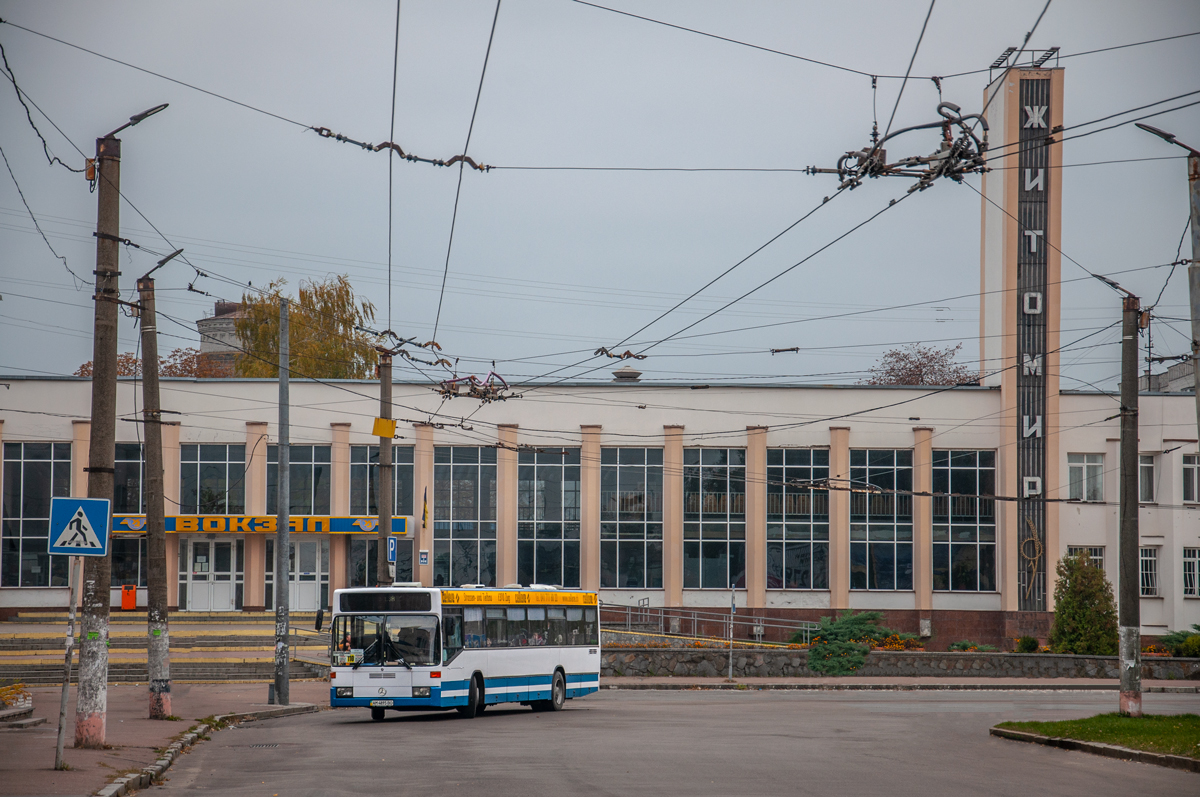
(550, 262)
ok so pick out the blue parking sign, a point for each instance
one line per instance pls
(79, 526)
(392, 549)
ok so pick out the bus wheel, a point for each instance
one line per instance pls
(558, 695)
(474, 700)
(377, 713)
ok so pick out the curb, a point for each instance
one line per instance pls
(1098, 748)
(934, 687)
(141, 780)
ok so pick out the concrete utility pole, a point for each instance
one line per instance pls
(1194, 266)
(384, 496)
(158, 632)
(283, 569)
(1129, 608)
(91, 706)
(91, 702)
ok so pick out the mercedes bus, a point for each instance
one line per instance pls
(420, 649)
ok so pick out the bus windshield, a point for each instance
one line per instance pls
(398, 639)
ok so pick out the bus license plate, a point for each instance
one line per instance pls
(381, 704)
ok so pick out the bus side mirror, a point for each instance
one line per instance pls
(320, 619)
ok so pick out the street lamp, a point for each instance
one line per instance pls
(1194, 265)
(137, 117)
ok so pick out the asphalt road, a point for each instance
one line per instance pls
(686, 743)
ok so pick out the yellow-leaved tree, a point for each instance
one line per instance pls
(323, 336)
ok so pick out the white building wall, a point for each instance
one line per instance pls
(217, 411)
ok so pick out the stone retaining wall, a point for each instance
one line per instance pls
(774, 662)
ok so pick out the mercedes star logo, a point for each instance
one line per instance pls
(382, 691)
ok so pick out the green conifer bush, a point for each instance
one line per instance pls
(1085, 615)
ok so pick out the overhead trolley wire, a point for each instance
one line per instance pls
(392, 137)
(787, 270)
(155, 74)
(25, 202)
(461, 165)
(1000, 82)
(12, 76)
(734, 301)
(908, 71)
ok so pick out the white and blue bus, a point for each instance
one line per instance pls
(421, 649)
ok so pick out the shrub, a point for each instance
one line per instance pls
(1190, 649)
(842, 644)
(967, 646)
(1176, 640)
(1027, 644)
(837, 658)
(1085, 618)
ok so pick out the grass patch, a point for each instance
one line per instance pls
(1174, 734)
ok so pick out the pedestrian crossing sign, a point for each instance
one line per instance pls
(79, 526)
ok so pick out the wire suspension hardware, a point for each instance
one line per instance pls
(625, 355)
(325, 132)
(954, 158)
(490, 388)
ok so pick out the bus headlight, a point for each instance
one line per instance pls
(420, 691)
(345, 691)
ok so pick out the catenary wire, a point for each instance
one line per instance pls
(155, 74)
(79, 280)
(461, 165)
(12, 76)
(908, 71)
(391, 152)
(999, 83)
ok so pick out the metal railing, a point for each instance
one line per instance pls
(748, 625)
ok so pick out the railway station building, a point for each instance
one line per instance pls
(945, 508)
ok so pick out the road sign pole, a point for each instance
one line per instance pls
(66, 685)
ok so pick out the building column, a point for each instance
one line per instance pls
(423, 489)
(339, 463)
(173, 574)
(756, 516)
(339, 501)
(254, 591)
(589, 498)
(338, 546)
(673, 516)
(81, 444)
(923, 520)
(171, 455)
(256, 468)
(839, 518)
(506, 505)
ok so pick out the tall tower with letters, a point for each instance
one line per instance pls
(1019, 329)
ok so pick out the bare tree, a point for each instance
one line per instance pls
(180, 362)
(915, 364)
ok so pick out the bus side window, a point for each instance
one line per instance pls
(575, 635)
(473, 628)
(452, 632)
(518, 635)
(556, 622)
(591, 626)
(538, 630)
(497, 628)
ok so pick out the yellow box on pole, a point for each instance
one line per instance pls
(384, 427)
